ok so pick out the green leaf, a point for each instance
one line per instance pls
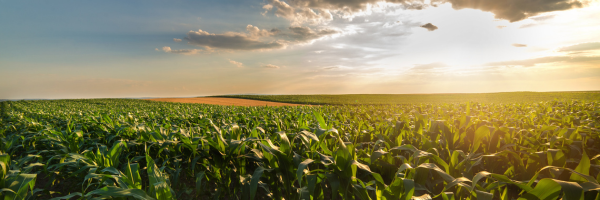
(20, 185)
(300, 170)
(480, 133)
(319, 118)
(109, 191)
(359, 189)
(68, 196)
(199, 178)
(448, 196)
(377, 154)
(311, 179)
(583, 168)
(549, 189)
(158, 187)
(334, 184)
(310, 135)
(409, 189)
(133, 176)
(481, 195)
(254, 181)
(8, 191)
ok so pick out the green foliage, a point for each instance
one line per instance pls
(377, 99)
(135, 149)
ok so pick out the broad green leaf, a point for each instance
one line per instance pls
(583, 168)
(20, 185)
(303, 165)
(481, 195)
(254, 181)
(133, 176)
(334, 184)
(480, 133)
(68, 196)
(199, 178)
(119, 192)
(549, 189)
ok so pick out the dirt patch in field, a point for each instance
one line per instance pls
(225, 101)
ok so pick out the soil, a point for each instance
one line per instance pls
(225, 101)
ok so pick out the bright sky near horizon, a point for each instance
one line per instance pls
(152, 48)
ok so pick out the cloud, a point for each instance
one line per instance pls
(283, 9)
(181, 51)
(581, 47)
(256, 38)
(299, 11)
(519, 45)
(271, 66)
(298, 15)
(353, 5)
(430, 27)
(237, 64)
(230, 41)
(516, 10)
(303, 34)
(548, 59)
(435, 65)
(176, 39)
(267, 8)
(500, 27)
(528, 25)
(255, 32)
(542, 18)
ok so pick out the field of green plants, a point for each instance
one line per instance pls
(136, 149)
(361, 99)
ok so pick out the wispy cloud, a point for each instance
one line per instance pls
(181, 51)
(271, 66)
(237, 64)
(256, 38)
(176, 39)
(519, 45)
(230, 40)
(549, 59)
(581, 47)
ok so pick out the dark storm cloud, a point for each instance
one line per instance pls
(515, 10)
(581, 47)
(430, 27)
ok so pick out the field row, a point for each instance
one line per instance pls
(375, 99)
(136, 149)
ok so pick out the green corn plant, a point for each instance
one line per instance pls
(13, 184)
(475, 150)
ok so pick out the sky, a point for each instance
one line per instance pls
(180, 48)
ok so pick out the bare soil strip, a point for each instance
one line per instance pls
(225, 101)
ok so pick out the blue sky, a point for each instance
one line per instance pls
(95, 49)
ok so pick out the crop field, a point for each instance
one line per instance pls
(136, 149)
(362, 99)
